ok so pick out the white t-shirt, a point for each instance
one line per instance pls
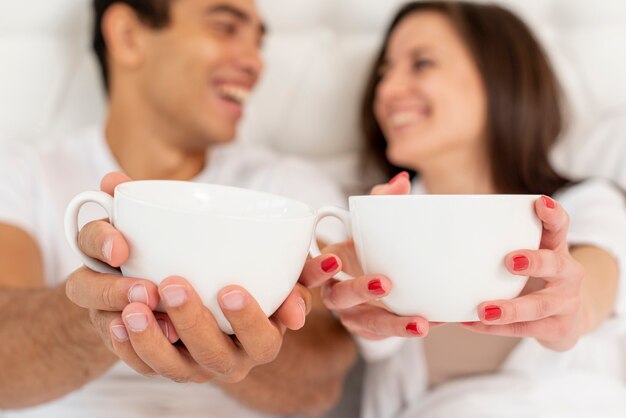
(396, 376)
(35, 188)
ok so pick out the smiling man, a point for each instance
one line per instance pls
(177, 74)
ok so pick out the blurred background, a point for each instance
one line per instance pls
(317, 54)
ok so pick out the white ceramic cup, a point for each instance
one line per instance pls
(213, 236)
(443, 253)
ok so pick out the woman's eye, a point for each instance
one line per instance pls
(422, 64)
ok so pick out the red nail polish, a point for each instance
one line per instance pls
(520, 263)
(413, 329)
(403, 174)
(376, 287)
(548, 202)
(330, 264)
(492, 313)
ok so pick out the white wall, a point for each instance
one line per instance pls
(318, 53)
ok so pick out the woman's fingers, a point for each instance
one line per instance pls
(532, 307)
(549, 265)
(338, 295)
(110, 181)
(319, 270)
(400, 184)
(369, 321)
(555, 222)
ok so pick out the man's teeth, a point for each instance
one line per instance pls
(403, 118)
(235, 93)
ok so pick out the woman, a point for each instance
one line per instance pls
(463, 96)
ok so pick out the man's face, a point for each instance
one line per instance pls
(199, 70)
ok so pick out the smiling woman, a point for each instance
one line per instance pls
(462, 95)
(442, 70)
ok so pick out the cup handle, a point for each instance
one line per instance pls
(71, 227)
(344, 216)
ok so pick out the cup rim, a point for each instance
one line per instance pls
(427, 196)
(122, 189)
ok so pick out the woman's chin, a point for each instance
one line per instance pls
(400, 157)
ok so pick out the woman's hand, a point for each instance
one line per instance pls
(355, 301)
(550, 307)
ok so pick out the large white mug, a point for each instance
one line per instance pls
(213, 236)
(443, 253)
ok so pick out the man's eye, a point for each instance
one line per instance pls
(225, 28)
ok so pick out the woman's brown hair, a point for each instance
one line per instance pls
(524, 112)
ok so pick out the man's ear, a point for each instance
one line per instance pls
(123, 33)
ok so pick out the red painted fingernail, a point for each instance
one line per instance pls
(549, 202)
(376, 287)
(403, 174)
(520, 263)
(492, 313)
(330, 264)
(413, 329)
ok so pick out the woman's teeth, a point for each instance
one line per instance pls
(234, 93)
(402, 118)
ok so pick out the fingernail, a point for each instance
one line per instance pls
(234, 300)
(138, 293)
(413, 329)
(137, 322)
(119, 332)
(492, 313)
(548, 202)
(520, 263)
(174, 295)
(403, 174)
(302, 305)
(107, 249)
(164, 327)
(376, 287)
(330, 264)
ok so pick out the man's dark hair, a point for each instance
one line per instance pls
(154, 13)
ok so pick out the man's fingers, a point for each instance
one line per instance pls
(555, 222)
(112, 180)
(122, 347)
(100, 240)
(165, 323)
(292, 313)
(549, 265)
(258, 335)
(207, 345)
(107, 292)
(347, 294)
(319, 270)
(154, 349)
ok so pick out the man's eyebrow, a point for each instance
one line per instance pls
(237, 13)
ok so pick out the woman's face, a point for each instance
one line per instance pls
(431, 102)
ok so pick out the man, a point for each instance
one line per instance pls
(177, 73)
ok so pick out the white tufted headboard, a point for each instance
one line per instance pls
(317, 55)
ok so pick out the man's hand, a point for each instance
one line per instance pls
(121, 310)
